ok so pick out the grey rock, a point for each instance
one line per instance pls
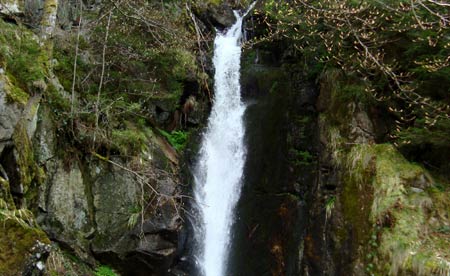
(115, 193)
(33, 11)
(63, 202)
(221, 16)
(421, 182)
(67, 200)
(155, 244)
(11, 7)
(44, 139)
(361, 127)
(10, 114)
(416, 190)
(35, 263)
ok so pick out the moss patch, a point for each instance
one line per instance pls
(402, 212)
(6, 199)
(23, 57)
(16, 242)
(14, 94)
(29, 171)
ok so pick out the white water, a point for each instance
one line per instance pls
(221, 161)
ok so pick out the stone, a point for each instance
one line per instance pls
(44, 139)
(421, 182)
(115, 192)
(40, 265)
(67, 200)
(361, 127)
(221, 16)
(416, 190)
(30, 115)
(64, 207)
(10, 113)
(11, 7)
(155, 244)
(33, 10)
(19, 245)
(48, 20)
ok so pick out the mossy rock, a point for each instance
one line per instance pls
(14, 93)
(23, 58)
(5, 193)
(16, 244)
(404, 212)
(28, 168)
(388, 197)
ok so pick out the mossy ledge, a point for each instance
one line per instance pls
(396, 210)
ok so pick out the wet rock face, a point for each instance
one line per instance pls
(280, 130)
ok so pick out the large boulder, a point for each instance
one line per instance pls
(103, 209)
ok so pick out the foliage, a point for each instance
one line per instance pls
(22, 217)
(177, 139)
(22, 56)
(398, 49)
(135, 214)
(104, 271)
(142, 65)
(402, 240)
(421, 133)
(301, 158)
(129, 141)
(329, 206)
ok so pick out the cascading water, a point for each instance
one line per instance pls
(222, 155)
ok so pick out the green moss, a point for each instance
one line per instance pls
(22, 56)
(129, 141)
(104, 271)
(394, 173)
(16, 242)
(5, 195)
(405, 242)
(301, 158)
(14, 93)
(330, 81)
(29, 171)
(357, 195)
(178, 139)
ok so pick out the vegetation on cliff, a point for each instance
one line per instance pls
(383, 71)
(396, 50)
(109, 85)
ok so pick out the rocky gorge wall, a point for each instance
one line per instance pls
(65, 208)
(325, 192)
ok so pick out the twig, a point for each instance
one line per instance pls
(97, 111)
(75, 62)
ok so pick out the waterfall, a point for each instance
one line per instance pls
(220, 165)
